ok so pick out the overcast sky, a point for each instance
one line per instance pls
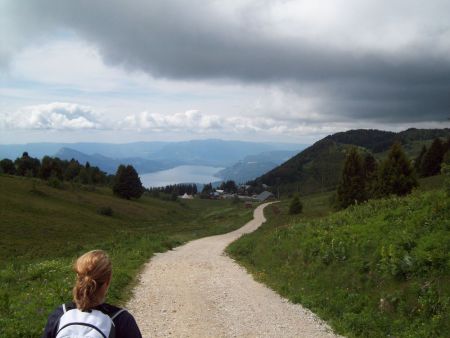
(267, 70)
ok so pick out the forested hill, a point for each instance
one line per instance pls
(319, 166)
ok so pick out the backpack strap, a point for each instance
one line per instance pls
(64, 308)
(117, 314)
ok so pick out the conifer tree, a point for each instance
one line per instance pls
(207, 188)
(351, 188)
(396, 175)
(370, 167)
(431, 164)
(127, 183)
(27, 166)
(296, 206)
(7, 166)
(419, 160)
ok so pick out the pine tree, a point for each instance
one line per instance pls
(7, 166)
(27, 166)
(370, 167)
(207, 188)
(431, 164)
(419, 160)
(352, 188)
(396, 175)
(296, 206)
(127, 183)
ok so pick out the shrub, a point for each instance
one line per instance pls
(105, 211)
(54, 182)
(296, 206)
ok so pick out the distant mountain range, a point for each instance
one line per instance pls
(110, 165)
(255, 165)
(150, 156)
(319, 166)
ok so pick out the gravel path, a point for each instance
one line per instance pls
(195, 290)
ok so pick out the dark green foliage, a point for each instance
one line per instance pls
(414, 134)
(177, 189)
(105, 211)
(55, 182)
(296, 206)
(370, 171)
(127, 183)
(207, 188)
(381, 269)
(351, 189)
(431, 164)
(51, 167)
(372, 139)
(7, 166)
(229, 187)
(72, 170)
(54, 167)
(396, 176)
(418, 162)
(27, 166)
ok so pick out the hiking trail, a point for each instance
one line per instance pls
(196, 290)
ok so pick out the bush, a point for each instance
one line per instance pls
(105, 211)
(296, 206)
(55, 183)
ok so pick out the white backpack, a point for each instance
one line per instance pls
(75, 323)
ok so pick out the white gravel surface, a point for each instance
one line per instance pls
(196, 290)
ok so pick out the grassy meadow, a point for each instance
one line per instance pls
(43, 229)
(380, 269)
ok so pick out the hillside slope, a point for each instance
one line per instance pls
(254, 165)
(43, 229)
(318, 167)
(375, 270)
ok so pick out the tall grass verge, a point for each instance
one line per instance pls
(381, 269)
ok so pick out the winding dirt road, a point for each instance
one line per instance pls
(196, 290)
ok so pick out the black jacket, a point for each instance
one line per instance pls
(125, 324)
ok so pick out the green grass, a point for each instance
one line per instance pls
(374, 270)
(44, 229)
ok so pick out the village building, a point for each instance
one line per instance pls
(265, 196)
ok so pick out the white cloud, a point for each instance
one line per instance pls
(196, 122)
(54, 116)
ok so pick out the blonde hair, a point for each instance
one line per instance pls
(93, 270)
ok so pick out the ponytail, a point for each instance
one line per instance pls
(93, 270)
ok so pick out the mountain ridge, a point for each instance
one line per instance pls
(318, 167)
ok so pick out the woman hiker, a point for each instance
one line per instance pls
(88, 314)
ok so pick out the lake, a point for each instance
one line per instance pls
(180, 174)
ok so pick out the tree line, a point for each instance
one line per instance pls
(125, 183)
(54, 168)
(176, 189)
(364, 178)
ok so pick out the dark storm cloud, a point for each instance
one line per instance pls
(196, 40)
